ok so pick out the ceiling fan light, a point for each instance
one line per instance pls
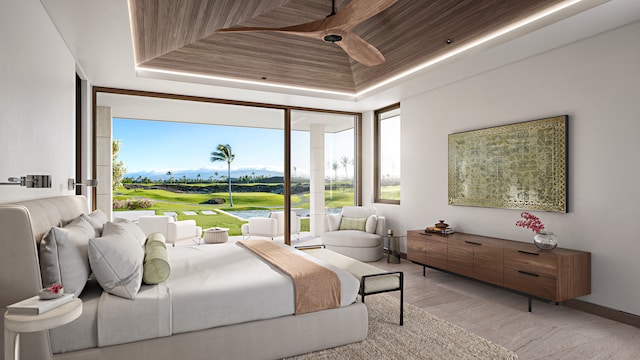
(332, 38)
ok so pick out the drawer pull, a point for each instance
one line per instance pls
(528, 273)
(472, 243)
(528, 253)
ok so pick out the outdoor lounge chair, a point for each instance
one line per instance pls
(272, 226)
(173, 230)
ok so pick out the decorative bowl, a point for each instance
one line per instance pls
(442, 225)
(46, 294)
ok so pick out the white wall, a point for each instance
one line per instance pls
(597, 83)
(37, 104)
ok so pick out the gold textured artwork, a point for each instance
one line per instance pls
(516, 166)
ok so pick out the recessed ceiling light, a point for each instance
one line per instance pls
(240, 81)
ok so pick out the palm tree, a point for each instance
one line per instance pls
(224, 153)
(334, 166)
(345, 161)
(119, 169)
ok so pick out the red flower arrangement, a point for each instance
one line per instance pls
(55, 288)
(530, 222)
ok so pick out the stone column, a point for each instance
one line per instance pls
(104, 197)
(316, 187)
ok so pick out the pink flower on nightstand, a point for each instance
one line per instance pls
(55, 288)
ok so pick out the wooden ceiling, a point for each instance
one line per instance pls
(180, 35)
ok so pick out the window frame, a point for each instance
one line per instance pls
(377, 118)
(97, 90)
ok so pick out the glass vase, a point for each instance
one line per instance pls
(546, 240)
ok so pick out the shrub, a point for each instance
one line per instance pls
(133, 204)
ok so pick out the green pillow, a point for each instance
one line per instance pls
(353, 223)
(156, 261)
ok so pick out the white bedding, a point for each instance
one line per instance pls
(123, 320)
(221, 284)
(209, 286)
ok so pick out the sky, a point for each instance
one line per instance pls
(160, 146)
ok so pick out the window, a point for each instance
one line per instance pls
(387, 155)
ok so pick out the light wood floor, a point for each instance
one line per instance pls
(549, 332)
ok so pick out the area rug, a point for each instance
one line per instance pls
(423, 336)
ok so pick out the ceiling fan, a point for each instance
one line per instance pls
(336, 28)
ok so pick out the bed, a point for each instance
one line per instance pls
(187, 316)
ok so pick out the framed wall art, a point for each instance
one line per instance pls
(516, 166)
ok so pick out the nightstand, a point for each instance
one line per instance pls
(16, 324)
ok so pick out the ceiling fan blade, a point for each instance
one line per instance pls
(360, 50)
(336, 28)
(357, 11)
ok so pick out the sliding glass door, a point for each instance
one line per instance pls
(324, 164)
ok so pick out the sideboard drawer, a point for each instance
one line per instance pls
(531, 283)
(436, 252)
(416, 247)
(460, 257)
(537, 262)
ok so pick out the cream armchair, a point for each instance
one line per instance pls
(172, 229)
(357, 232)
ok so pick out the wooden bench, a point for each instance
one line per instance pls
(373, 280)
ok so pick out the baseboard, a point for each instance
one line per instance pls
(605, 312)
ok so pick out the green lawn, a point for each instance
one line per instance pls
(178, 202)
(390, 192)
(241, 201)
(169, 201)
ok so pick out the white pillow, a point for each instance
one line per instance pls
(372, 222)
(116, 260)
(97, 219)
(333, 221)
(64, 256)
(126, 228)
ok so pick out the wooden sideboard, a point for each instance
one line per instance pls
(555, 275)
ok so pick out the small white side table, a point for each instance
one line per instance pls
(216, 235)
(16, 324)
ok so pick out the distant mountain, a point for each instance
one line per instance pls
(204, 174)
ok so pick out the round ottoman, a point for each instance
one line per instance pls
(216, 235)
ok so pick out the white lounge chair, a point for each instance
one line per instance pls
(272, 226)
(172, 229)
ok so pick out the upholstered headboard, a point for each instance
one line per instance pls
(22, 226)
